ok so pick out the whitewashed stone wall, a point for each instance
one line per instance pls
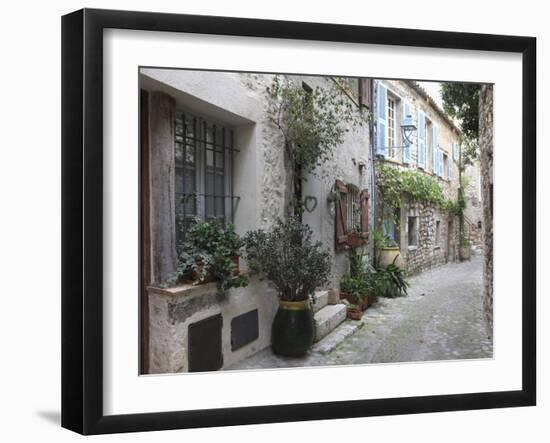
(259, 178)
(173, 310)
(486, 157)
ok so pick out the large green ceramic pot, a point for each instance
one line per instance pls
(293, 328)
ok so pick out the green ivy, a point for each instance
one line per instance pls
(393, 182)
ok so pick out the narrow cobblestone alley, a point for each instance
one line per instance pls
(440, 319)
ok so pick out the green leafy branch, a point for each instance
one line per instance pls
(394, 182)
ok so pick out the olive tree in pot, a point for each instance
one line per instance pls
(287, 256)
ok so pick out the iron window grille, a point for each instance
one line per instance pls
(204, 171)
(353, 208)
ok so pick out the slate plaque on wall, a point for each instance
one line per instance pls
(205, 344)
(244, 329)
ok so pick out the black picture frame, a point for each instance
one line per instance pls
(82, 215)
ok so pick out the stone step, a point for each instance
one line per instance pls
(321, 300)
(337, 336)
(327, 318)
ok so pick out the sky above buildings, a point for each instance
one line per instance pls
(434, 91)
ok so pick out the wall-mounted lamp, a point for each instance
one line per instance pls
(407, 130)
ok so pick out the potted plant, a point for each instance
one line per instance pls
(354, 312)
(465, 249)
(354, 290)
(386, 250)
(209, 253)
(287, 256)
(355, 238)
(390, 281)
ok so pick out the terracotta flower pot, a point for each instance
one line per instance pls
(465, 252)
(194, 276)
(365, 303)
(354, 314)
(235, 260)
(354, 241)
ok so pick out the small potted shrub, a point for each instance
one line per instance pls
(465, 249)
(210, 253)
(287, 256)
(390, 281)
(355, 291)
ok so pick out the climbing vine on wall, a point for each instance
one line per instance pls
(312, 121)
(393, 182)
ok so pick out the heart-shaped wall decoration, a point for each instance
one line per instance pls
(310, 203)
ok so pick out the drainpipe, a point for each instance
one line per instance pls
(373, 168)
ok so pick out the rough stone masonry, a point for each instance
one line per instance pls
(486, 156)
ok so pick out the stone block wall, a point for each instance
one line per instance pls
(473, 213)
(428, 253)
(447, 135)
(486, 159)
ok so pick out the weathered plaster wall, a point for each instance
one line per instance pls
(259, 178)
(486, 160)
(352, 165)
(173, 310)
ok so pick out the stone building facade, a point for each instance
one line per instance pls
(486, 161)
(427, 235)
(473, 213)
(244, 179)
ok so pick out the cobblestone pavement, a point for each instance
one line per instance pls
(440, 319)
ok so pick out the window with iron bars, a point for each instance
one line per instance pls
(354, 213)
(204, 164)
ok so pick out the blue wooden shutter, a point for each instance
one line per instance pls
(421, 139)
(454, 151)
(406, 147)
(381, 130)
(451, 161)
(434, 149)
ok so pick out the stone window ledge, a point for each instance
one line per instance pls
(412, 248)
(187, 290)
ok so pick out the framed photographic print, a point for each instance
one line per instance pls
(270, 221)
